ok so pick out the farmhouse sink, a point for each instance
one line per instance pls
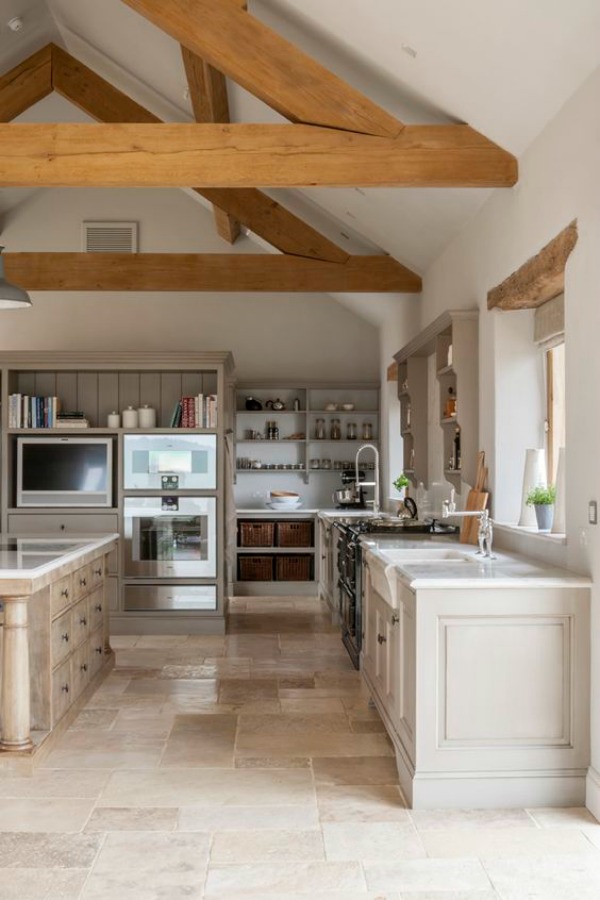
(423, 555)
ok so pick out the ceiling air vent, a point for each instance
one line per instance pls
(110, 237)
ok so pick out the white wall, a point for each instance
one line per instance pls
(559, 181)
(272, 336)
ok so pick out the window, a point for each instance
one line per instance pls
(555, 405)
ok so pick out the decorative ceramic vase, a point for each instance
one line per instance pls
(534, 475)
(543, 514)
(559, 524)
(146, 417)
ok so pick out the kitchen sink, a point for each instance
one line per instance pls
(434, 555)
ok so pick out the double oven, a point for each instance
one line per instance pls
(169, 522)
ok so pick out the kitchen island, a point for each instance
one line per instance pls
(55, 644)
(480, 671)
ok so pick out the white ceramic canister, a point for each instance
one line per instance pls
(114, 420)
(130, 417)
(146, 417)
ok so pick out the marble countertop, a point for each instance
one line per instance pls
(28, 563)
(507, 570)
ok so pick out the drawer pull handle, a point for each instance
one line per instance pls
(83, 620)
(395, 619)
(65, 688)
(98, 572)
(84, 667)
(65, 592)
(65, 637)
(99, 650)
(62, 527)
(82, 582)
(98, 607)
(381, 639)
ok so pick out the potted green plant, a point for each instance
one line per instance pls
(401, 483)
(542, 499)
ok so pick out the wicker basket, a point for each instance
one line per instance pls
(256, 534)
(255, 568)
(294, 568)
(294, 534)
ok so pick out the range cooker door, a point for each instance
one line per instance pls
(170, 537)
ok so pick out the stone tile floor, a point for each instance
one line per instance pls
(251, 765)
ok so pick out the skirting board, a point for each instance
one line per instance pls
(275, 588)
(592, 792)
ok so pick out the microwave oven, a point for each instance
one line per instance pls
(169, 462)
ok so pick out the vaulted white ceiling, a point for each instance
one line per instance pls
(505, 68)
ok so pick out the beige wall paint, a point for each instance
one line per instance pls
(287, 336)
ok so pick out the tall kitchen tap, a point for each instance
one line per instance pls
(373, 484)
(485, 532)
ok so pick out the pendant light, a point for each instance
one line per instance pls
(11, 296)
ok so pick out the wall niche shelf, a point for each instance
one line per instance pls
(453, 341)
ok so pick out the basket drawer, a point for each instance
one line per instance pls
(294, 534)
(256, 534)
(255, 568)
(294, 568)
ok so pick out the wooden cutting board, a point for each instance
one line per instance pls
(476, 500)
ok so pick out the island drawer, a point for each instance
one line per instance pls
(57, 523)
(97, 654)
(96, 609)
(62, 690)
(96, 569)
(80, 668)
(61, 595)
(81, 582)
(80, 622)
(61, 638)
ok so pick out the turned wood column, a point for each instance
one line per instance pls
(16, 715)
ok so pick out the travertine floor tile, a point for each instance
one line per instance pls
(272, 762)
(311, 707)
(248, 818)
(427, 875)
(94, 720)
(493, 842)
(568, 817)
(356, 770)
(314, 744)
(370, 841)
(361, 803)
(233, 691)
(459, 819)
(136, 819)
(238, 847)
(209, 787)
(47, 783)
(293, 724)
(41, 884)
(48, 851)
(306, 878)
(559, 877)
(62, 816)
(152, 865)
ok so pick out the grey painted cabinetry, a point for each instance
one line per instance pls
(163, 519)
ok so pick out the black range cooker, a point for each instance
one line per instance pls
(349, 565)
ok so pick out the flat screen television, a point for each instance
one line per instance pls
(64, 471)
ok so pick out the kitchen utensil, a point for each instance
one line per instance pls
(275, 404)
(348, 497)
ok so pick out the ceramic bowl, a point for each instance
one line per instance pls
(348, 406)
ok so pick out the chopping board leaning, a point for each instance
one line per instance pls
(477, 499)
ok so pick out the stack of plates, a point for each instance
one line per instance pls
(283, 500)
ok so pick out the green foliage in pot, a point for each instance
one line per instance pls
(541, 496)
(401, 482)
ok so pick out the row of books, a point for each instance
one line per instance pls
(195, 412)
(26, 411)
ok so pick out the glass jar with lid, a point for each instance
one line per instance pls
(320, 430)
(335, 430)
(367, 431)
(351, 431)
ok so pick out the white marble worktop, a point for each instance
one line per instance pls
(29, 563)
(507, 570)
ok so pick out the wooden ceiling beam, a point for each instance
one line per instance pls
(208, 93)
(540, 278)
(267, 65)
(25, 84)
(258, 212)
(182, 155)
(229, 272)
